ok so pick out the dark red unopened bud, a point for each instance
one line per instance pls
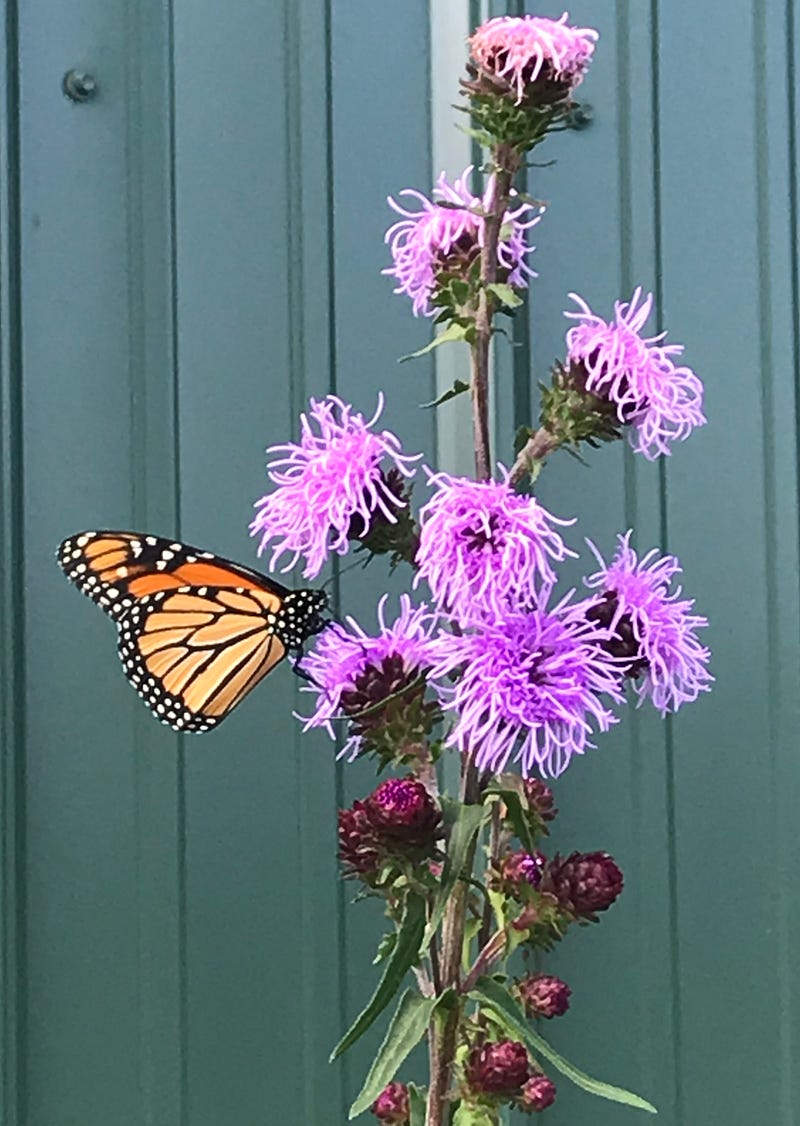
(520, 868)
(358, 845)
(541, 800)
(392, 1104)
(538, 1094)
(544, 995)
(586, 882)
(401, 810)
(498, 1069)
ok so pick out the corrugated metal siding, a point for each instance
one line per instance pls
(199, 252)
(685, 183)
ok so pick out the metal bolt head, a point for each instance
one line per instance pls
(79, 86)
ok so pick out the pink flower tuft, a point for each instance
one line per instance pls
(529, 685)
(344, 654)
(661, 402)
(524, 49)
(330, 477)
(653, 632)
(439, 237)
(484, 547)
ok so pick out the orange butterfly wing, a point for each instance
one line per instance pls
(196, 632)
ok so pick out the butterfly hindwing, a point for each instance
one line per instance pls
(195, 631)
(193, 654)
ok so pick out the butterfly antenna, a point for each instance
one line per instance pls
(344, 570)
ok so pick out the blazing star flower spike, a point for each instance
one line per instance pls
(483, 547)
(328, 480)
(653, 630)
(527, 50)
(448, 238)
(530, 685)
(348, 667)
(661, 402)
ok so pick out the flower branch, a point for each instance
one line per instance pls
(497, 666)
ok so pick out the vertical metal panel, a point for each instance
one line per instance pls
(253, 205)
(102, 952)
(12, 653)
(380, 93)
(732, 515)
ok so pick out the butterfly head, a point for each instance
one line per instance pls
(302, 615)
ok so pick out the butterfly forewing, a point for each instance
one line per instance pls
(196, 631)
(116, 568)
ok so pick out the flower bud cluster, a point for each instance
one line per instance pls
(399, 823)
(501, 1072)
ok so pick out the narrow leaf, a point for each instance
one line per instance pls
(496, 997)
(452, 333)
(462, 834)
(516, 815)
(505, 295)
(399, 963)
(458, 388)
(385, 947)
(409, 1024)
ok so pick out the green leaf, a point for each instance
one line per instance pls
(521, 437)
(516, 814)
(385, 947)
(496, 997)
(471, 928)
(417, 1103)
(505, 294)
(458, 388)
(451, 334)
(466, 825)
(402, 959)
(408, 1026)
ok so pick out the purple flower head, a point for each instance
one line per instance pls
(530, 685)
(653, 632)
(331, 477)
(538, 1094)
(392, 1105)
(345, 657)
(541, 799)
(484, 547)
(524, 50)
(585, 882)
(544, 995)
(359, 847)
(500, 1068)
(402, 810)
(517, 869)
(438, 238)
(662, 403)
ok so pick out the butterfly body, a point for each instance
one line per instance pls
(196, 632)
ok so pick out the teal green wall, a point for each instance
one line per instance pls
(182, 262)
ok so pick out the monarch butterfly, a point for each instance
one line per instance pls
(195, 632)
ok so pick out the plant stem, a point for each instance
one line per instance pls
(535, 450)
(506, 163)
(443, 1035)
